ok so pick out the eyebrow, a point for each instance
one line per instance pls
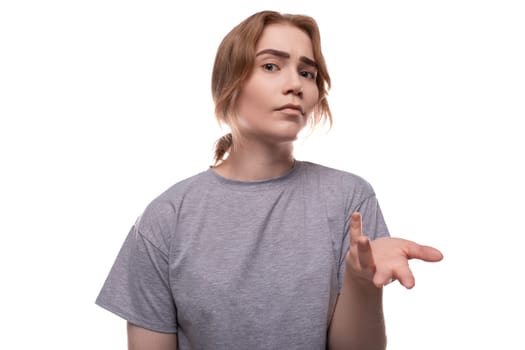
(283, 54)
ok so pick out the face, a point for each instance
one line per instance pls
(275, 102)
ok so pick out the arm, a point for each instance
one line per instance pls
(358, 321)
(144, 339)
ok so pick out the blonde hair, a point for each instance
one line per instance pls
(234, 63)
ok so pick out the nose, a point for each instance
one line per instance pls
(293, 84)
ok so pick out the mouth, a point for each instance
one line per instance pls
(291, 108)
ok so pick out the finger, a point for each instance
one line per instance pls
(424, 252)
(382, 278)
(364, 252)
(355, 228)
(405, 276)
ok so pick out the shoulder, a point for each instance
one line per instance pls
(181, 188)
(159, 217)
(338, 179)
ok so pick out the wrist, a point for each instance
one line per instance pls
(360, 284)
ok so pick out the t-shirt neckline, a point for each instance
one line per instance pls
(257, 184)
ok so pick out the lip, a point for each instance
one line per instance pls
(291, 106)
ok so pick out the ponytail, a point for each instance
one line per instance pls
(223, 146)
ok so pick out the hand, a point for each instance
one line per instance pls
(385, 259)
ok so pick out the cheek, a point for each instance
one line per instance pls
(245, 100)
(312, 98)
(252, 93)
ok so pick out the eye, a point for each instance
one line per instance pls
(307, 74)
(270, 67)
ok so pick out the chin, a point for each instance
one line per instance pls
(288, 132)
(281, 137)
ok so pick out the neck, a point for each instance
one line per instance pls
(252, 161)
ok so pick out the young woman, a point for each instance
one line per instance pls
(262, 251)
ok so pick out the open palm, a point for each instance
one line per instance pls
(385, 259)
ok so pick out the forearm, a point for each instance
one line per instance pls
(358, 321)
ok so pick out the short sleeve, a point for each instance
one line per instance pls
(137, 287)
(374, 227)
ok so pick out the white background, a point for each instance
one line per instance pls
(105, 104)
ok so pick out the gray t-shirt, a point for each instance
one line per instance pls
(229, 264)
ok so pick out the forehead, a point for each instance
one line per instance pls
(285, 37)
